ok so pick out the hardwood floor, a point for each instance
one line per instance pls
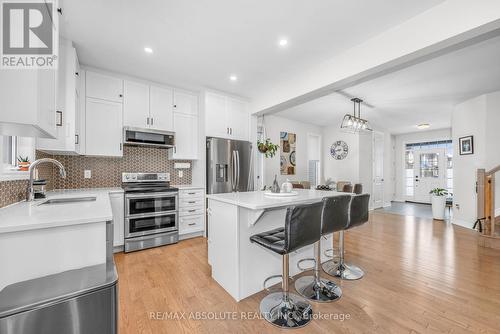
(421, 276)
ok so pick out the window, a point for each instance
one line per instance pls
(11, 148)
(9, 151)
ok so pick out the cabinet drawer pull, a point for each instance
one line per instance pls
(191, 193)
(191, 210)
(192, 202)
(191, 224)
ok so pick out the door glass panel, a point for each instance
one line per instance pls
(151, 205)
(429, 165)
(151, 223)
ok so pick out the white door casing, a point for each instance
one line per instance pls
(378, 171)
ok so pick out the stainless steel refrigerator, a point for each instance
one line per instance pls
(229, 166)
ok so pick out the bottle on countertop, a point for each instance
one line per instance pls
(276, 187)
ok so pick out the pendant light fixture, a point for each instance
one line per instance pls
(354, 123)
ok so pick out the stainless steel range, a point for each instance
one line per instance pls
(151, 210)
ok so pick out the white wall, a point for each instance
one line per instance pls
(399, 149)
(274, 125)
(478, 117)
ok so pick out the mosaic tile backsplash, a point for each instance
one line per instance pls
(12, 192)
(107, 172)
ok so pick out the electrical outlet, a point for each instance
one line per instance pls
(181, 173)
(87, 174)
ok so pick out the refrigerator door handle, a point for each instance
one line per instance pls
(238, 170)
(233, 171)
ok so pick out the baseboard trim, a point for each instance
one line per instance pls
(462, 223)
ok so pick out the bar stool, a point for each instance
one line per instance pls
(334, 218)
(358, 216)
(302, 228)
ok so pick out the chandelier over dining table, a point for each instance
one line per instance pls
(354, 123)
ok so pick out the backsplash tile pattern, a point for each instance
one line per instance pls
(106, 172)
(12, 192)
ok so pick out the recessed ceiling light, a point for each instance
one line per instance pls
(283, 42)
(423, 126)
(148, 50)
(233, 77)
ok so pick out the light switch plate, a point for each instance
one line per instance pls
(87, 174)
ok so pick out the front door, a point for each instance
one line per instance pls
(429, 172)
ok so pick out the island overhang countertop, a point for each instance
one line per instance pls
(258, 200)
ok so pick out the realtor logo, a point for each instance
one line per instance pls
(29, 34)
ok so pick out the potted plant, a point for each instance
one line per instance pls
(438, 202)
(24, 163)
(267, 148)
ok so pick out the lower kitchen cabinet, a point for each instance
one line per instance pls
(118, 207)
(191, 212)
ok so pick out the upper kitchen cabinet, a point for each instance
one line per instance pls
(135, 104)
(185, 102)
(103, 120)
(226, 117)
(28, 103)
(185, 126)
(68, 123)
(147, 107)
(104, 87)
(161, 108)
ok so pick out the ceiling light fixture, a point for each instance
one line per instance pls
(148, 50)
(354, 123)
(423, 126)
(283, 42)
(233, 78)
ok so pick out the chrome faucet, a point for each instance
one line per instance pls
(30, 194)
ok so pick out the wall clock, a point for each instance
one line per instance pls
(339, 150)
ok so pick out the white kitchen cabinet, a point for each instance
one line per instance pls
(161, 108)
(238, 119)
(103, 124)
(135, 104)
(226, 117)
(191, 212)
(28, 103)
(68, 109)
(104, 87)
(185, 102)
(186, 137)
(117, 208)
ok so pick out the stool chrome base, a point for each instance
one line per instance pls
(322, 291)
(292, 313)
(343, 271)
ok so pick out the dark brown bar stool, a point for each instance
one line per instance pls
(334, 218)
(358, 216)
(302, 228)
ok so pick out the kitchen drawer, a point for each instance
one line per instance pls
(190, 201)
(192, 193)
(191, 224)
(192, 210)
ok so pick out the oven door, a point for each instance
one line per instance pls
(150, 224)
(150, 203)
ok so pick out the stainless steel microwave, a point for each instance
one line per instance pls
(148, 137)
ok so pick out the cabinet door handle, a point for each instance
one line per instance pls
(192, 211)
(152, 120)
(77, 74)
(77, 139)
(121, 95)
(59, 118)
(191, 202)
(191, 224)
(227, 131)
(147, 120)
(120, 146)
(230, 131)
(175, 149)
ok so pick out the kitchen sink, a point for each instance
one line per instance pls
(67, 200)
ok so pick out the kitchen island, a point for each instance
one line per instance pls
(238, 265)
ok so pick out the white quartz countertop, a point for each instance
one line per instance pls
(257, 200)
(25, 216)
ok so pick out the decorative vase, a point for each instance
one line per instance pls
(276, 187)
(438, 207)
(287, 186)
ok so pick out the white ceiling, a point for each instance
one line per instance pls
(423, 93)
(201, 42)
